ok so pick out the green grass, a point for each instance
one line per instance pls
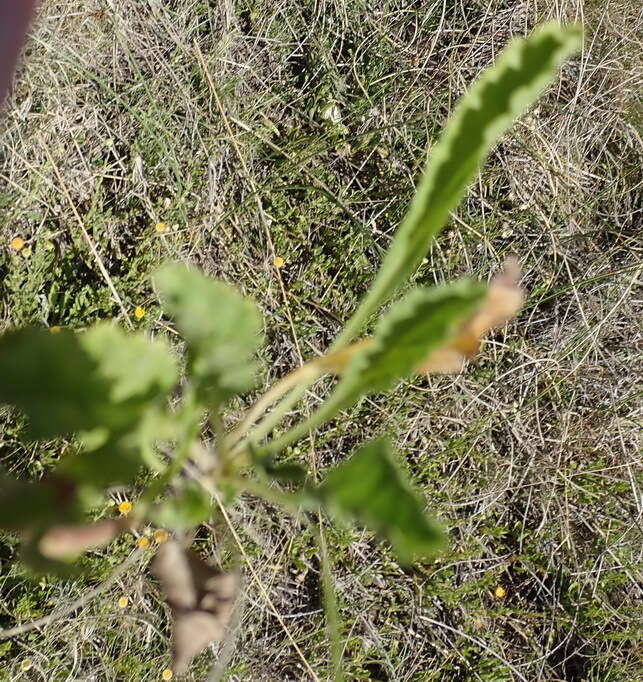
(530, 458)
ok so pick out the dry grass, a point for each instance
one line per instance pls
(531, 458)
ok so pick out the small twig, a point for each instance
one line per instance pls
(74, 606)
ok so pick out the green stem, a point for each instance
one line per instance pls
(302, 376)
(268, 424)
(325, 412)
(331, 608)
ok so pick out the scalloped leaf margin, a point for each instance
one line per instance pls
(503, 92)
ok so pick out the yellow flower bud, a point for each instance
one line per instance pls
(160, 536)
(125, 507)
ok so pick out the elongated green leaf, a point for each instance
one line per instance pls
(66, 382)
(422, 321)
(220, 327)
(502, 93)
(371, 488)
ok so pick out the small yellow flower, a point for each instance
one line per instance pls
(25, 665)
(167, 674)
(26, 252)
(143, 543)
(54, 330)
(278, 261)
(123, 602)
(17, 243)
(160, 227)
(160, 536)
(125, 507)
(139, 313)
(500, 592)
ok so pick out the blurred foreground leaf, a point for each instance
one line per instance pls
(220, 327)
(192, 506)
(68, 542)
(65, 382)
(370, 488)
(23, 502)
(14, 21)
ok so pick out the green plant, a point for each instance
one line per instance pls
(108, 391)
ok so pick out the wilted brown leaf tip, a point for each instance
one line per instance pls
(503, 300)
